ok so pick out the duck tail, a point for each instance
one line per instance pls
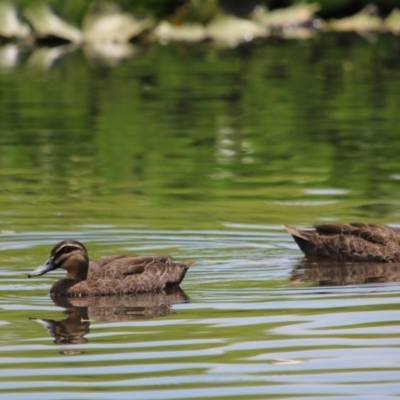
(303, 240)
(295, 232)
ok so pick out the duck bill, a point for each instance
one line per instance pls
(43, 269)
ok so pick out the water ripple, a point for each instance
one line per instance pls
(246, 330)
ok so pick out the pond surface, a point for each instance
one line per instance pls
(202, 153)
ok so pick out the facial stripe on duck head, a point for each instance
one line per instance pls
(70, 255)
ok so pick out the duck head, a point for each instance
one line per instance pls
(70, 255)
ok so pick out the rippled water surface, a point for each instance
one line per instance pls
(203, 154)
(241, 328)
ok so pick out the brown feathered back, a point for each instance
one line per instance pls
(355, 242)
(117, 275)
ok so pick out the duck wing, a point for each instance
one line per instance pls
(119, 266)
(374, 233)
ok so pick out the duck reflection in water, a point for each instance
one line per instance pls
(333, 273)
(81, 311)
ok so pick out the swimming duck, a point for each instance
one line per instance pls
(355, 242)
(111, 275)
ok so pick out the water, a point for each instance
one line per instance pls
(203, 154)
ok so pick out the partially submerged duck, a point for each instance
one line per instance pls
(356, 242)
(112, 275)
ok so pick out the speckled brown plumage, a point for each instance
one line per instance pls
(355, 242)
(111, 275)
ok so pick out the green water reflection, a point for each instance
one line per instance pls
(192, 136)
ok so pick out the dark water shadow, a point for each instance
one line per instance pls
(80, 312)
(331, 273)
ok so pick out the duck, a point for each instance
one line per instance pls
(352, 242)
(110, 275)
